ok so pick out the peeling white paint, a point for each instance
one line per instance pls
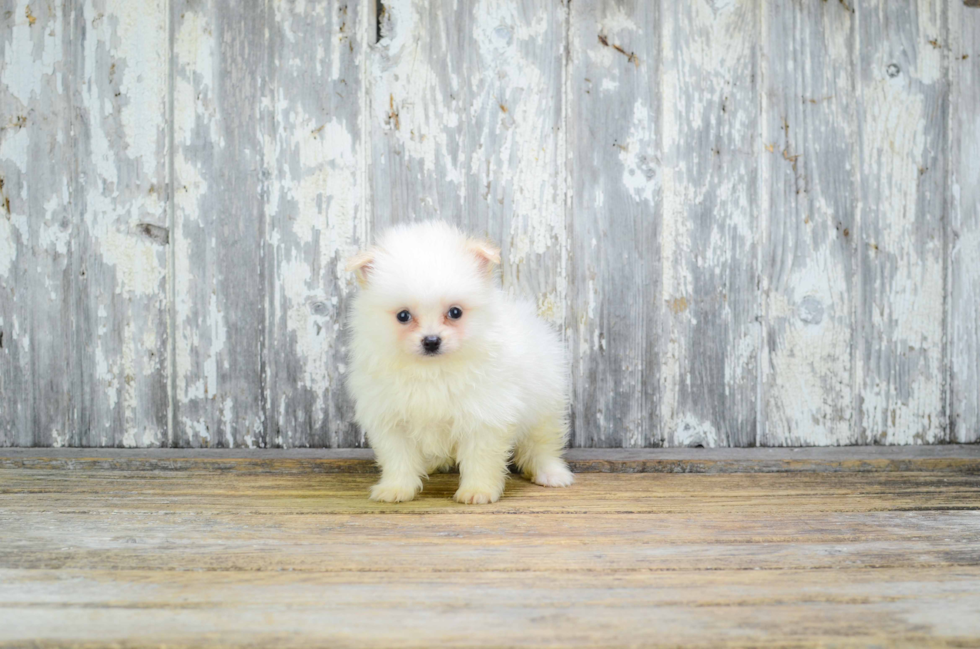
(13, 150)
(320, 222)
(688, 430)
(140, 32)
(139, 271)
(186, 200)
(32, 55)
(218, 330)
(903, 277)
(198, 431)
(313, 334)
(639, 158)
(420, 125)
(707, 46)
(8, 247)
(121, 97)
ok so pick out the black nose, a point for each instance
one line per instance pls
(431, 344)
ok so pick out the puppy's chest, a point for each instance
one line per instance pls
(429, 414)
(428, 403)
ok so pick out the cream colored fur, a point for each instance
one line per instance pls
(495, 390)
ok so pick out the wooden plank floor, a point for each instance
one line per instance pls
(301, 559)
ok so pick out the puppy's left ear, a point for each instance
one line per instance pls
(487, 254)
(361, 265)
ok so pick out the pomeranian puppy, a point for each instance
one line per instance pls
(446, 370)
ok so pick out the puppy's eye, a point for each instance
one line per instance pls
(403, 316)
(455, 313)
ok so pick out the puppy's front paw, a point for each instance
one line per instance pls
(476, 496)
(392, 493)
(554, 475)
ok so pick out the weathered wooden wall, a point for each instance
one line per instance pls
(757, 222)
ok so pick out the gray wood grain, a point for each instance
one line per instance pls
(220, 93)
(710, 125)
(37, 246)
(315, 213)
(809, 200)
(119, 61)
(615, 211)
(964, 214)
(466, 118)
(902, 125)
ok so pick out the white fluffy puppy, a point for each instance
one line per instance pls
(446, 370)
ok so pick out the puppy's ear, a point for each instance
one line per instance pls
(487, 254)
(361, 265)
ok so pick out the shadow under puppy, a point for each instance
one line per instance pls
(445, 369)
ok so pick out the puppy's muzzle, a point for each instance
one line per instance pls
(430, 344)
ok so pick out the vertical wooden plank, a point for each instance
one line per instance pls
(964, 204)
(120, 56)
(615, 303)
(316, 215)
(710, 125)
(36, 225)
(809, 164)
(902, 90)
(220, 53)
(466, 126)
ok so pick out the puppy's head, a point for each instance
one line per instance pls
(426, 292)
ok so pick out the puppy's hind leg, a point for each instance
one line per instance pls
(538, 453)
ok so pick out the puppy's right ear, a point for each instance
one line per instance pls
(487, 254)
(361, 265)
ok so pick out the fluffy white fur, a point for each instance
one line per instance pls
(495, 390)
